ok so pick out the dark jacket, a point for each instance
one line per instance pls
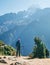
(18, 44)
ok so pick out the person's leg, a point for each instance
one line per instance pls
(19, 52)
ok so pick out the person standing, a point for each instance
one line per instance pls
(18, 47)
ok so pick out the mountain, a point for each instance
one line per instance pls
(25, 25)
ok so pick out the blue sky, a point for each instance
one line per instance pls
(7, 6)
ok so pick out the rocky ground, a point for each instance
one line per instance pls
(12, 60)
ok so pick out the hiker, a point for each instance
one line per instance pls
(18, 48)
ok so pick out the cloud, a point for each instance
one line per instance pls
(43, 3)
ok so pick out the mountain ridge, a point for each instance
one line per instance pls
(26, 27)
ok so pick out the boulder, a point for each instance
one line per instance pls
(3, 61)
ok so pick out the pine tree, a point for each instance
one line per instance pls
(39, 50)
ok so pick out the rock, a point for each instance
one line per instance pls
(0, 57)
(13, 59)
(25, 63)
(21, 63)
(11, 64)
(3, 61)
(4, 57)
(17, 63)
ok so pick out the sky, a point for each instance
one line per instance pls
(7, 6)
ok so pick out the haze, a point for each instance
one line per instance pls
(7, 6)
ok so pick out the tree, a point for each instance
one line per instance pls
(39, 50)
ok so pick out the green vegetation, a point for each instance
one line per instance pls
(39, 50)
(6, 49)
